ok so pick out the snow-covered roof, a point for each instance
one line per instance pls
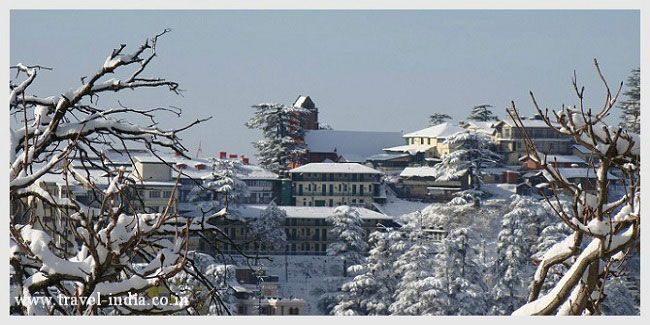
(251, 211)
(485, 127)
(257, 172)
(304, 102)
(351, 143)
(527, 123)
(570, 173)
(442, 130)
(350, 157)
(411, 149)
(342, 168)
(387, 156)
(418, 172)
(559, 159)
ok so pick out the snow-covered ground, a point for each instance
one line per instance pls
(396, 207)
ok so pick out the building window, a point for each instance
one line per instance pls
(167, 194)
(331, 189)
(354, 189)
(154, 194)
(300, 189)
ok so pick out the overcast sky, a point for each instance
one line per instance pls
(365, 70)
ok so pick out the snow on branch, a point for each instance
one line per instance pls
(609, 225)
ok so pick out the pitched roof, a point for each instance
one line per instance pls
(411, 149)
(418, 172)
(304, 102)
(527, 123)
(351, 143)
(257, 172)
(560, 159)
(251, 211)
(343, 168)
(442, 130)
(569, 173)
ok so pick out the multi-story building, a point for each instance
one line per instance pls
(154, 185)
(306, 229)
(509, 139)
(263, 185)
(334, 184)
(429, 143)
(420, 183)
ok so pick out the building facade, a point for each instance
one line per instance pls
(510, 141)
(334, 184)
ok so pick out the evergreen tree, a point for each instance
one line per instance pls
(631, 106)
(222, 187)
(464, 273)
(482, 113)
(266, 229)
(470, 152)
(371, 291)
(423, 287)
(347, 234)
(619, 299)
(281, 128)
(512, 263)
(438, 118)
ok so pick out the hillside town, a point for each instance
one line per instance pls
(528, 208)
(376, 173)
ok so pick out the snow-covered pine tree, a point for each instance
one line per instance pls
(464, 273)
(267, 229)
(423, 288)
(281, 128)
(470, 152)
(347, 235)
(482, 113)
(553, 233)
(438, 118)
(631, 106)
(223, 187)
(603, 229)
(371, 291)
(512, 267)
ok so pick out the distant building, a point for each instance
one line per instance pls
(509, 139)
(420, 183)
(347, 146)
(540, 180)
(334, 184)
(558, 161)
(427, 144)
(309, 120)
(306, 229)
